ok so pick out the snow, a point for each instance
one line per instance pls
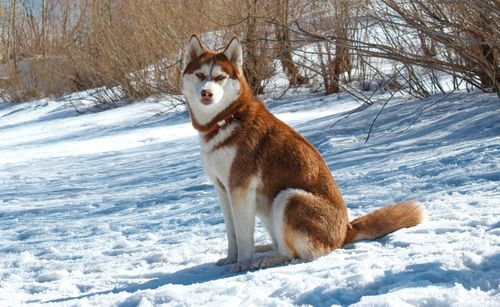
(113, 207)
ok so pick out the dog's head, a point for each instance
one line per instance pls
(211, 79)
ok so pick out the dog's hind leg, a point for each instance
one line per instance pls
(306, 226)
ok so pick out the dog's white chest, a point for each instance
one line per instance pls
(218, 164)
(218, 161)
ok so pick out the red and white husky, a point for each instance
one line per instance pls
(260, 166)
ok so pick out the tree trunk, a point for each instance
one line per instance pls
(13, 32)
(251, 64)
(285, 47)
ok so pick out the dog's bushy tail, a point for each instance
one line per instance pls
(385, 220)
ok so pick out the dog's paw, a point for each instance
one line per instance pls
(225, 261)
(241, 267)
(268, 262)
(262, 263)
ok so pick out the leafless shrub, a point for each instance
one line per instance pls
(460, 38)
(332, 59)
(132, 49)
(464, 37)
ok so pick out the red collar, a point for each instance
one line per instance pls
(222, 124)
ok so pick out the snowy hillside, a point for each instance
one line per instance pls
(113, 208)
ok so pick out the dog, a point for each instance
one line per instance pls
(262, 167)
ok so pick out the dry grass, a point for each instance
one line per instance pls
(132, 45)
(133, 48)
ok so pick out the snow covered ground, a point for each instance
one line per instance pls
(113, 208)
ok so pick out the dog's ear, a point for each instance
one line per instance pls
(194, 49)
(234, 52)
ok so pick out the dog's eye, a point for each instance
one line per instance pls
(219, 78)
(200, 75)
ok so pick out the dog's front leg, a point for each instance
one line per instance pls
(232, 250)
(243, 210)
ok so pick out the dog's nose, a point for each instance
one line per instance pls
(206, 94)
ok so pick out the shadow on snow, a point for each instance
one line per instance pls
(480, 276)
(202, 273)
